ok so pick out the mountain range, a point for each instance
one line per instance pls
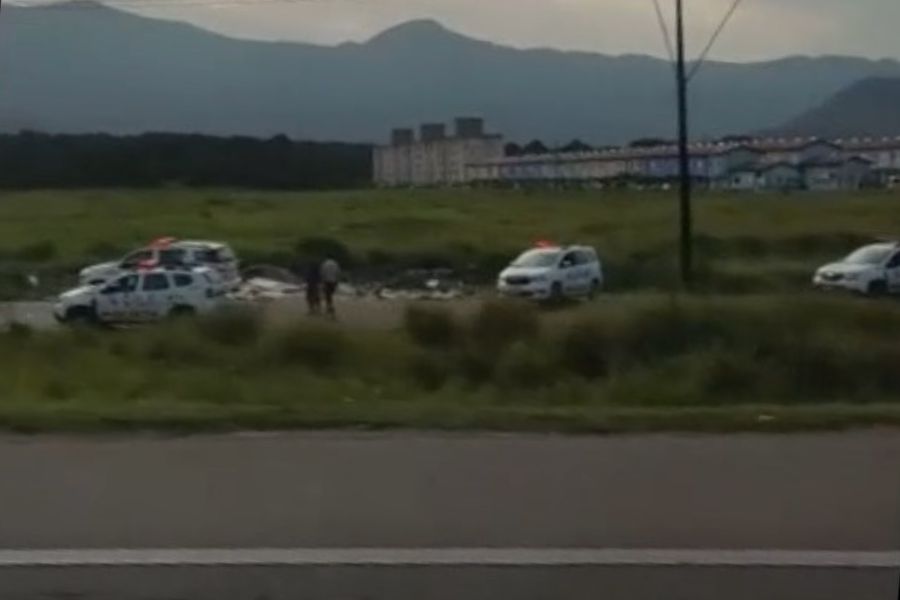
(84, 67)
(870, 107)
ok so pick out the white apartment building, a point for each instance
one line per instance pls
(435, 159)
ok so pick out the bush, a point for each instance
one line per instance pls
(585, 348)
(321, 348)
(432, 327)
(499, 324)
(526, 366)
(431, 371)
(236, 326)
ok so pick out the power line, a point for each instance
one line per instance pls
(714, 38)
(664, 28)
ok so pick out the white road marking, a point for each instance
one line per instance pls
(503, 557)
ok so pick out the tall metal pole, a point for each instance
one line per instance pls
(684, 159)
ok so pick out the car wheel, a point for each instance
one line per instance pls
(556, 292)
(877, 288)
(80, 315)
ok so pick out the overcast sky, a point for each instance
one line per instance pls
(760, 29)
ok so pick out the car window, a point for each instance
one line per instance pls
(895, 261)
(154, 282)
(125, 284)
(135, 258)
(172, 256)
(183, 280)
(214, 255)
(570, 259)
(537, 259)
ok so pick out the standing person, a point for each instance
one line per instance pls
(313, 277)
(331, 276)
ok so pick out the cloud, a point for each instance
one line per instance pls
(760, 28)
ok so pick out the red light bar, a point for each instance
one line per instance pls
(544, 244)
(163, 242)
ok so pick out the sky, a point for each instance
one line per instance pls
(760, 29)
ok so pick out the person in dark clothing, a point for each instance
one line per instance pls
(313, 277)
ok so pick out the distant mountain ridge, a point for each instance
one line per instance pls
(870, 107)
(99, 69)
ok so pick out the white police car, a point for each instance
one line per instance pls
(551, 272)
(872, 270)
(170, 252)
(143, 296)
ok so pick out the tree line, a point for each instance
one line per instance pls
(34, 160)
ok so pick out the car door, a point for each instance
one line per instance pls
(115, 301)
(568, 268)
(583, 271)
(154, 296)
(892, 273)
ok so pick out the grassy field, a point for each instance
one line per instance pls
(642, 363)
(745, 243)
(753, 350)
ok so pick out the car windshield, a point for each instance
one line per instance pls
(537, 259)
(870, 255)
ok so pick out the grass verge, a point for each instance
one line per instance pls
(634, 363)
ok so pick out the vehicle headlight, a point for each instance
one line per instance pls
(852, 276)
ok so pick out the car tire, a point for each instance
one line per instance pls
(180, 312)
(81, 315)
(556, 292)
(877, 289)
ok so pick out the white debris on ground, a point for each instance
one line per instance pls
(260, 289)
(271, 284)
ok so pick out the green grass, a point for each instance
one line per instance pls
(639, 363)
(751, 351)
(745, 243)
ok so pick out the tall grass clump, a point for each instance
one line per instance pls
(232, 326)
(322, 348)
(499, 324)
(431, 326)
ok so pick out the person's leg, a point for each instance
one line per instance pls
(330, 289)
(313, 300)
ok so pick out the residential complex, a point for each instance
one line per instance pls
(740, 164)
(471, 157)
(435, 158)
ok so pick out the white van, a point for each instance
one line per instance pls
(550, 272)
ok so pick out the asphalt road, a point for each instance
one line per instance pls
(835, 492)
(812, 492)
(446, 583)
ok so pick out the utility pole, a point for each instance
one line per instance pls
(686, 254)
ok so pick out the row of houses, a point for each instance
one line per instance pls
(469, 156)
(748, 164)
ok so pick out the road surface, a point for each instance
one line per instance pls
(402, 493)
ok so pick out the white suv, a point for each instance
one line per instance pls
(168, 252)
(553, 272)
(872, 270)
(143, 296)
